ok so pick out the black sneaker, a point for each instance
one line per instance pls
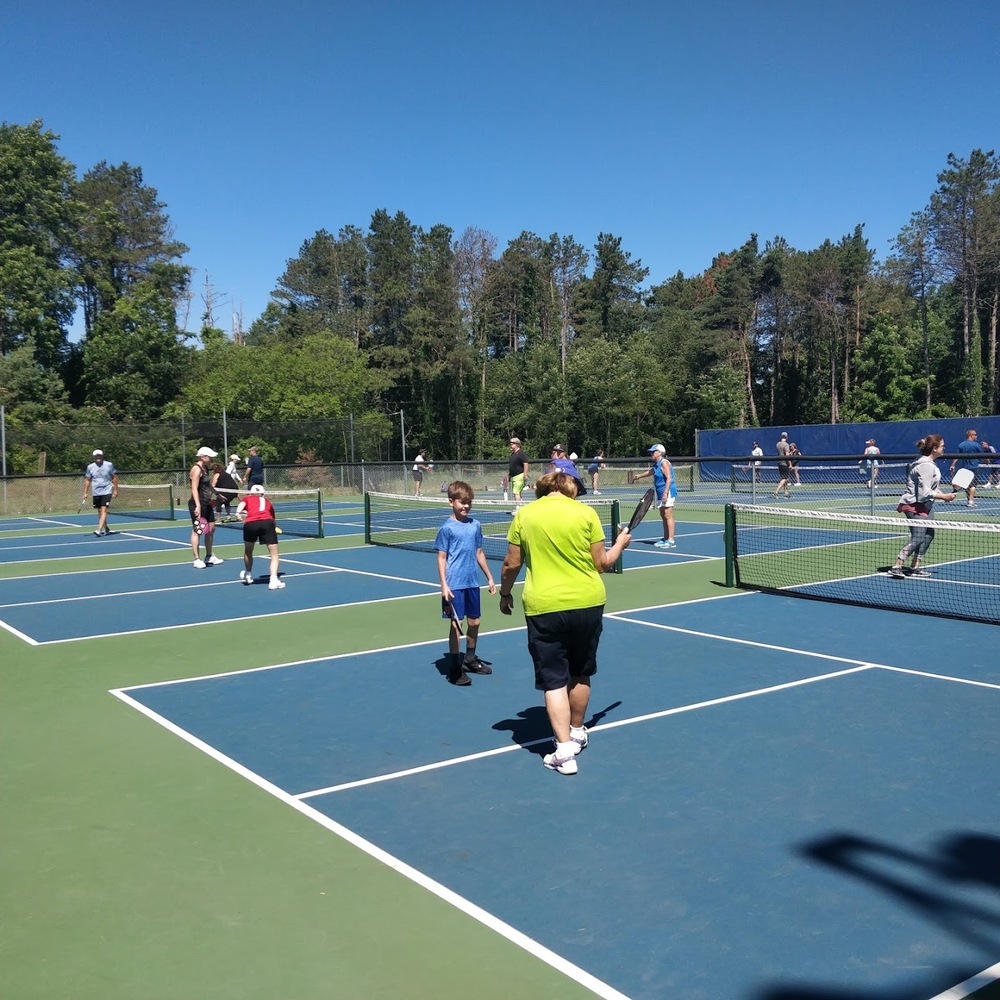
(477, 666)
(458, 678)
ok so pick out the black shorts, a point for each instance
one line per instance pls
(102, 500)
(418, 476)
(260, 531)
(783, 469)
(207, 510)
(563, 645)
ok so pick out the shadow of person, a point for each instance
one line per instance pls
(531, 728)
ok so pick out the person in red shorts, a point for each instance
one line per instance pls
(257, 514)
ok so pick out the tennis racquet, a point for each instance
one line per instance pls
(83, 503)
(641, 509)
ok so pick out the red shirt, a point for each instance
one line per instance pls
(258, 507)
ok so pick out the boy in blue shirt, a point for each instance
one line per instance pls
(459, 546)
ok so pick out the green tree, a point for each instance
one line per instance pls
(125, 240)
(966, 247)
(37, 218)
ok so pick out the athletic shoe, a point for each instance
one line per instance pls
(661, 544)
(971, 503)
(246, 577)
(897, 573)
(671, 544)
(214, 561)
(564, 765)
(581, 741)
(98, 533)
(458, 678)
(476, 666)
(276, 585)
(920, 572)
(199, 564)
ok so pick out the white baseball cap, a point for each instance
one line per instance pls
(97, 451)
(573, 456)
(207, 453)
(234, 458)
(257, 490)
(657, 447)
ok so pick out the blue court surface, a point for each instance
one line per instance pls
(46, 607)
(781, 798)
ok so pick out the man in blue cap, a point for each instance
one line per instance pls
(666, 492)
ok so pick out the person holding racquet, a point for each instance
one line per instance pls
(460, 558)
(420, 466)
(666, 492)
(562, 544)
(201, 510)
(102, 478)
(968, 465)
(917, 504)
(257, 514)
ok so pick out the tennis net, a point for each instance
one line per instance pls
(155, 503)
(816, 480)
(846, 558)
(298, 513)
(413, 522)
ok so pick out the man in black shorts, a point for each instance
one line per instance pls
(517, 469)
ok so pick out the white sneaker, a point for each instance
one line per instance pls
(580, 737)
(199, 564)
(564, 765)
(245, 577)
(276, 585)
(214, 560)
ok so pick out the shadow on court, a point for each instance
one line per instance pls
(532, 731)
(926, 885)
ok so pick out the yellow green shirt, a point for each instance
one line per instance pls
(555, 534)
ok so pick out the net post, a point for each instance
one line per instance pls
(616, 527)
(170, 500)
(319, 513)
(368, 517)
(730, 533)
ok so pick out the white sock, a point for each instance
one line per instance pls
(577, 731)
(566, 749)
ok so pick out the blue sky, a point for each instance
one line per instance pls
(680, 127)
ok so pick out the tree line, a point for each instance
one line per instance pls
(543, 338)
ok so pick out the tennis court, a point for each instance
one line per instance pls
(225, 791)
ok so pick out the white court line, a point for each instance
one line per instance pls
(227, 621)
(973, 985)
(609, 725)
(201, 584)
(528, 944)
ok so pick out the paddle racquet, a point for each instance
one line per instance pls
(962, 479)
(454, 617)
(641, 509)
(83, 503)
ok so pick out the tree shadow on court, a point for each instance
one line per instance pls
(928, 884)
(532, 731)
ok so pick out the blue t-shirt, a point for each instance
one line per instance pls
(461, 540)
(100, 477)
(660, 481)
(969, 447)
